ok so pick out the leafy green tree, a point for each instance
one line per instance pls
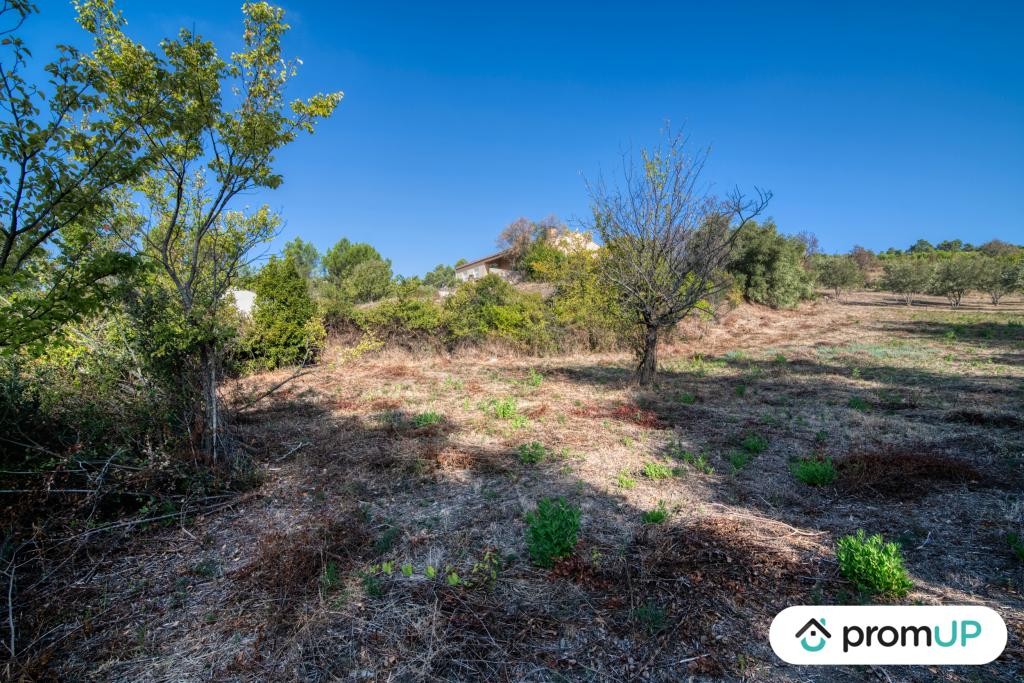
(999, 248)
(63, 148)
(305, 257)
(369, 281)
(998, 276)
(838, 273)
(769, 267)
(341, 259)
(208, 148)
(955, 276)
(921, 247)
(907, 276)
(441, 277)
(286, 329)
(952, 245)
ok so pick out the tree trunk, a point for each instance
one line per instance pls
(648, 357)
(211, 412)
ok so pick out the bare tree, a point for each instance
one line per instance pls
(668, 239)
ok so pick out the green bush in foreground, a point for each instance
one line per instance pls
(552, 531)
(657, 515)
(873, 565)
(815, 471)
(1016, 545)
(656, 470)
(532, 453)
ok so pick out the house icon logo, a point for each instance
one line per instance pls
(814, 629)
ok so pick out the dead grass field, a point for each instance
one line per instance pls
(922, 408)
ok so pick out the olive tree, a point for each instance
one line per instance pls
(215, 138)
(998, 276)
(838, 273)
(955, 276)
(907, 276)
(668, 239)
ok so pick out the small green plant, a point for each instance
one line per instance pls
(552, 531)
(1016, 545)
(503, 409)
(387, 567)
(485, 572)
(624, 480)
(873, 565)
(532, 453)
(534, 379)
(698, 462)
(407, 569)
(427, 419)
(430, 572)
(453, 579)
(740, 390)
(687, 399)
(330, 577)
(387, 539)
(657, 515)
(754, 444)
(814, 471)
(656, 470)
(650, 617)
(739, 459)
(780, 359)
(208, 568)
(857, 403)
(372, 585)
(452, 383)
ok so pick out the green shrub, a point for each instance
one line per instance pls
(739, 459)
(406, 318)
(768, 267)
(687, 399)
(491, 308)
(754, 444)
(657, 515)
(656, 470)
(286, 328)
(505, 409)
(857, 403)
(532, 453)
(427, 419)
(651, 617)
(874, 566)
(552, 531)
(1016, 545)
(624, 480)
(698, 462)
(815, 471)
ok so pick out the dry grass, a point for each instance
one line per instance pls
(927, 456)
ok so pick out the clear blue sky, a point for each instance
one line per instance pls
(873, 124)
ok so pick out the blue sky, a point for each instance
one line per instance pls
(873, 124)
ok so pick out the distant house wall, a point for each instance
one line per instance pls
(244, 300)
(499, 264)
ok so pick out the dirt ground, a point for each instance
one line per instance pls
(377, 468)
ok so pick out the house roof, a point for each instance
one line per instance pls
(485, 259)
